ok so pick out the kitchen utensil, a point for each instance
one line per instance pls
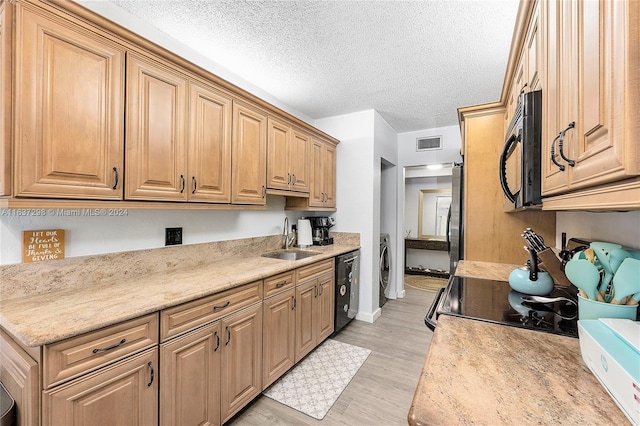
(634, 300)
(590, 309)
(520, 281)
(602, 251)
(553, 266)
(627, 279)
(529, 280)
(584, 275)
(616, 257)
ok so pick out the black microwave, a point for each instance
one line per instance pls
(521, 157)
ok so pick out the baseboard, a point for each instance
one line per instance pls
(371, 318)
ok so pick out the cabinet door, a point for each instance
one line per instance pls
(125, 393)
(316, 194)
(241, 368)
(6, 14)
(190, 371)
(300, 159)
(325, 310)
(156, 131)
(278, 336)
(209, 145)
(329, 175)
(69, 93)
(278, 172)
(19, 373)
(306, 317)
(601, 148)
(554, 23)
(249, 155)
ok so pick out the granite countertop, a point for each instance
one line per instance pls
(482, 373)
(138, 283)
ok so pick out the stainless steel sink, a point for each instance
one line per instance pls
(290, 254)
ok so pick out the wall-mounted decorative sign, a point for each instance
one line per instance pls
(38, 246)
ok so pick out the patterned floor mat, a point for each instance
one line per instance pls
(314, 385)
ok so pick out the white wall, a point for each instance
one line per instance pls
(354, 194)
(385, 199)
(616, 227)
(143, 229)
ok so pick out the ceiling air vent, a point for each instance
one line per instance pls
(429, 144)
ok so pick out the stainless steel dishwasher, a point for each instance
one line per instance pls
(347, 288)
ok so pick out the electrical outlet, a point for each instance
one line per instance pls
(172, 236)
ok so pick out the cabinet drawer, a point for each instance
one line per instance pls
(310, 272)
(190, 315)
(72, 357)
(278, 283)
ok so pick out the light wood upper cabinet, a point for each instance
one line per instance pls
(289, 157)
(300, 160)
(323, 174)
(241, 365)
(69, 110)
(592, 95)
(190, 371)
(5, 98)
(249, 155)
(173, 155)
(156, 155)
(209, 145)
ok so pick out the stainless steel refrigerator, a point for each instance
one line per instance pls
(455, 240)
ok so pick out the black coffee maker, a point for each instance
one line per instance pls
(320, 230)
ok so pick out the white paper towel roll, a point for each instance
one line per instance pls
(304, 233)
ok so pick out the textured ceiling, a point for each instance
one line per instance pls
(415, 62)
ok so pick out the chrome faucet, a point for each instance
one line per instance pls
(287, 241)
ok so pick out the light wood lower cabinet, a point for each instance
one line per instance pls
(124, 393)
(19, 373)
(279, 326)
(314, 313)
(241, 364)
(190, 371)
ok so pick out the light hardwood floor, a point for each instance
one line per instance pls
(382, 390)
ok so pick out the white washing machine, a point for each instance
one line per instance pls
(385, 268)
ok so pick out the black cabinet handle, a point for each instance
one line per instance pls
(217, 342)
(288, 178)
(571, 163)
(294, 180)
(319, 290)
(219, 308)
(316, 291)
(264, 191)
(228, 336)
(150, 365)
(195, 184)
(294, 303)
(182, 183)
(280, 285)
(115, 185)
(108, 348)
(553, 154)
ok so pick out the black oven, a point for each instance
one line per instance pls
(495, 302)
(521, 157)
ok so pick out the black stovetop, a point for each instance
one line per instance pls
(496, 302)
